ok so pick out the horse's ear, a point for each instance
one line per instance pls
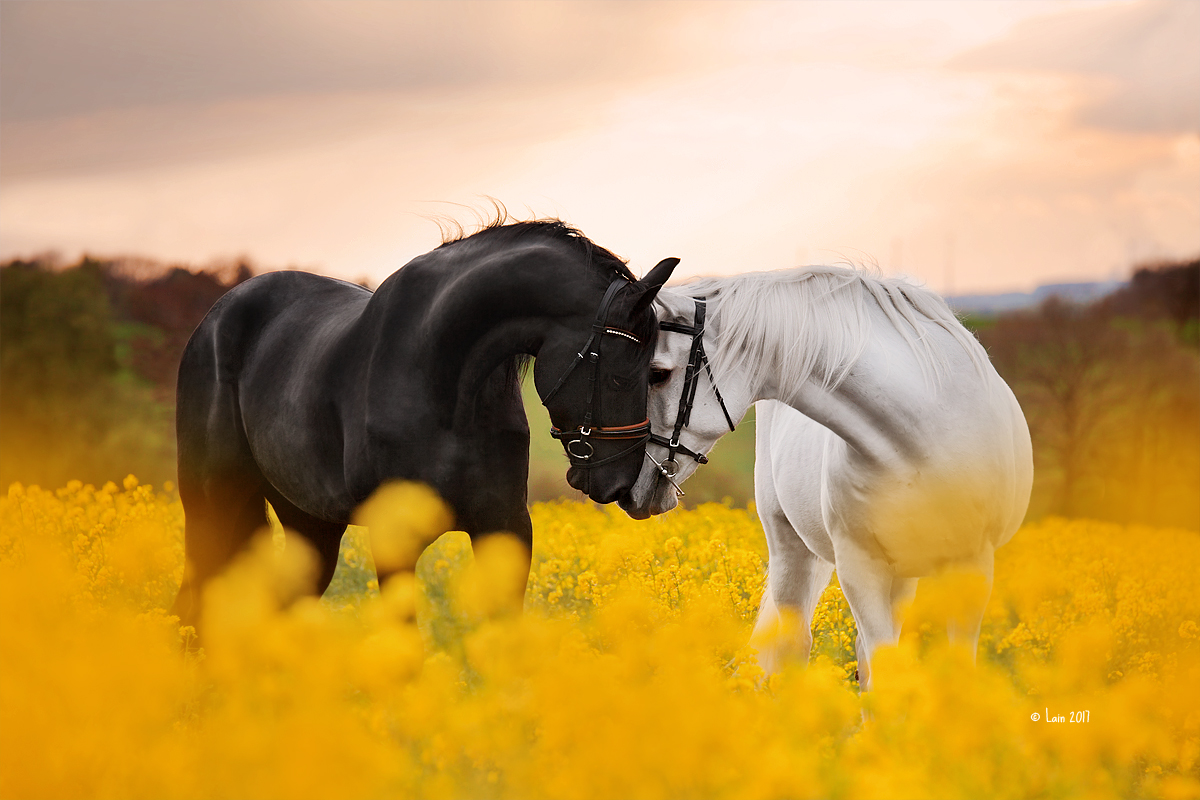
(654, 281)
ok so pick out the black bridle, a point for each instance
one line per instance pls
(691, 380)
(577, 442)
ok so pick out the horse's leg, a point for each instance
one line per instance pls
(796, 576)
(221, 516)
(963, 625)
(867, 582)
(903, 592)
(220, 484)
(325, 537)
(517, 524)
(495, 499)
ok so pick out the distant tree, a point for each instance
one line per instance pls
(161, 314)
(1058, 361)
(57, 364)
(1112, 395)
(1169, 292)
(55, 332)
(88, 359)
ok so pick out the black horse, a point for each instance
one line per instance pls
(310, 393)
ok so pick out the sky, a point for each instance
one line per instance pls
(975, 147)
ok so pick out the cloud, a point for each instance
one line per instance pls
(76, 57)
(735, 135)
(123, 85)
(1141, 62)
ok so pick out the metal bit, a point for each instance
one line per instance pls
(668, 475)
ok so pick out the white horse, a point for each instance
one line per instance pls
(887, 445)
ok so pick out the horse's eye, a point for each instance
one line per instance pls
(658, 376)
(622, 384)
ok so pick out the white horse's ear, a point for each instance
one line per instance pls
(654, 281)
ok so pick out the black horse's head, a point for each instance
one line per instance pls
(592, 374)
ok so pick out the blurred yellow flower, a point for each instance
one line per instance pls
(403, 518)
(628, 674)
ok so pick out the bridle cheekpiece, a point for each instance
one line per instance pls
(578, 442)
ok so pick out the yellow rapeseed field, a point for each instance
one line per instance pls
(627, 674)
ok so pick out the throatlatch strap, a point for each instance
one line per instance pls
(691, 380)
(716, 391)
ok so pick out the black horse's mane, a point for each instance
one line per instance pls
(500, 230)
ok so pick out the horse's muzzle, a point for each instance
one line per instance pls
(630, 507)
(598, 487)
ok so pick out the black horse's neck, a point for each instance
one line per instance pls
(475, 311)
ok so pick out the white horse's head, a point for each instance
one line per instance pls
(716, 400)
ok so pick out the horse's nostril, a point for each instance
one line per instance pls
(575, 479)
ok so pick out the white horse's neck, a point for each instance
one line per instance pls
(881, 364)
(886, 404)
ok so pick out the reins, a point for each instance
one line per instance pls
(697, 359)
(578, 442)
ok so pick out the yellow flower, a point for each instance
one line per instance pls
(627, 675)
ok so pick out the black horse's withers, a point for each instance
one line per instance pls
(310, 392)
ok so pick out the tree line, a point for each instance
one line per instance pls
(1111, 389)
(88, 360)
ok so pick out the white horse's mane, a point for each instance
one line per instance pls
(813, 322)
